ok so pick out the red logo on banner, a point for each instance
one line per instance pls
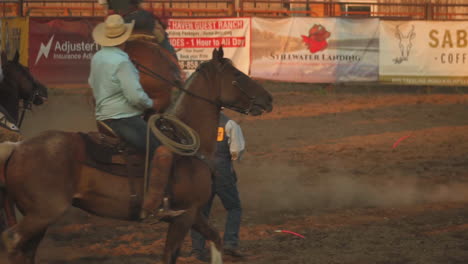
(317, 39)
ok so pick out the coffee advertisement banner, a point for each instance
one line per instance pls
(424, 52)
(315, 50)
(60, 50)
(195, 39)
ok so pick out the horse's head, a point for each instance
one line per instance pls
(19, 77)
(238, 91)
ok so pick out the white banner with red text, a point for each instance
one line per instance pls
(424, 52)
(315, 50)
(195, 39)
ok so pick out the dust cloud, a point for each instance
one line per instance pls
(278, 187)
(266, 186)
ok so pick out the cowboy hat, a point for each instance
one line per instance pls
(112, 32)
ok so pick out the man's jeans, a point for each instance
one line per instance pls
(133, 131)
(225, 187)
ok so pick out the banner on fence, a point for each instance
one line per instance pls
(14, 37)
(195, 39)
(424, 52)
(315, 49)
(60, 50)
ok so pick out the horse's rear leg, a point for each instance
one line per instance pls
(203, 227)
(31, 226)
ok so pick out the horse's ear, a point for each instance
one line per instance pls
(220, 52)
(16, 58)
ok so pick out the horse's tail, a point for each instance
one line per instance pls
(6, 149)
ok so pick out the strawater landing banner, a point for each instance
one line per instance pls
(195, 39)
(60, 50)
(424, 52)
(315, 50)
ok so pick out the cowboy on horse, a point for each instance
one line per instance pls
(120, 103)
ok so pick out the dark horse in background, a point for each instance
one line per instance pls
(18, 85)
(47, 174)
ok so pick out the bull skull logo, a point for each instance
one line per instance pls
(405, 44)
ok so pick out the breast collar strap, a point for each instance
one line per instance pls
(209, 162)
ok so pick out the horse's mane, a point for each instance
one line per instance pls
(4, 114)
(7, 121)
(9, 98)
(202, 69)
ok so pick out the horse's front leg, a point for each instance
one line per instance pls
(178, 229)
(12, 241)
(203, 227)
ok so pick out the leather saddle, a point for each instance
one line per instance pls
(106, 151)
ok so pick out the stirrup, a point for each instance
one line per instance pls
(163, 213)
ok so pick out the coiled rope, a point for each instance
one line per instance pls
(172, 133)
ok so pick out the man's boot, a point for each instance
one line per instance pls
(158, 179)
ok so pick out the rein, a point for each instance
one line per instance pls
(27, 104)
(176, 84)
(145, 70)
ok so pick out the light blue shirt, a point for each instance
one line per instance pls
(116, 85)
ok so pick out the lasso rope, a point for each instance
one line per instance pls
(189, 138)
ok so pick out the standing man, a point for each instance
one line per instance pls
(230, 147)
(120, 103)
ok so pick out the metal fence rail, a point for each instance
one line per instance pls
(228, 8)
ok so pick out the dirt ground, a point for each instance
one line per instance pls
(367, 175)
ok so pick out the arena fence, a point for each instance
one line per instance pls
(242, 8)
(304, 49)
(308, 41)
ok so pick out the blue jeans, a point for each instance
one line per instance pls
(225, 187)
(133, 131)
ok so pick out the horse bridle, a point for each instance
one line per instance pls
(27, 103)
(145, 70)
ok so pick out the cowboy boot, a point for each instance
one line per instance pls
(159, 177)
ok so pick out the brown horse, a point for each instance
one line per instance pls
(18, 84)
(46, 174)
